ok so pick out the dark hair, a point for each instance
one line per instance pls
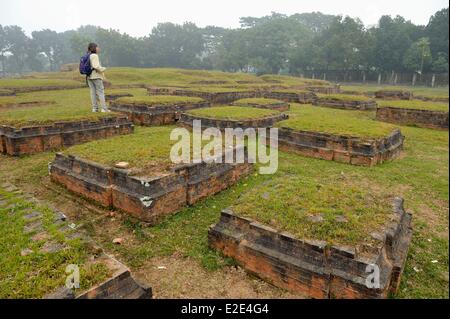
(92, 47)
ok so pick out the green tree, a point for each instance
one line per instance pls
(418, 56)
(437, 31)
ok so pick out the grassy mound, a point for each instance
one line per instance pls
(260, 101)
(32, 82)
(333, 121)
(344, 97)
(415, 104)
(158, 100)
(347, 213)
(147, 149)
(233, 112)
(65, 105)
(438, 92)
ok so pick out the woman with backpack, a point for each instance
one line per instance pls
(95, 79)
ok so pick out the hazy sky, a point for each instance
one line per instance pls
(137, 17)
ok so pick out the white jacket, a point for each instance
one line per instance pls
(97, 69)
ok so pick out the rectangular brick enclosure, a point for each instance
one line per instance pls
(394, 95)
(268, 121)
(35, 139)
(155, 114)
(341, 148)
(313, 268)
(211, 96)
(303, 97)
(325, 89)
(346, 104)
(147, 198)
(405, 116)
(278, 106)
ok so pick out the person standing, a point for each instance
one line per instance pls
(95, 79)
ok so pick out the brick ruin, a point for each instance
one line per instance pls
(36, 139)
(142, 114)
(312, 268)
(120, 285)
(25, 89)
(324, 89)
(7, 92)
(10, 105)
(341, 148)
(421, 118)
(394, 95)
(112, 97)
(147, 198)
(303, 97)
(346, 104)
(212, 97)
(268, 121)
(433, 99)
(277, 106)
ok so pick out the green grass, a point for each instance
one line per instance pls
(288, 90)
(5, 91)
(171, 77)
(415, 104)
(36, 274)
(232, 112)
(259, 101)
(333, 121)
(344, 97)
(159, 100)
(146, 149)
(301, 186)
(420, 176)
(26, 83)
(287, 202)
(438, 92)
(63, 105)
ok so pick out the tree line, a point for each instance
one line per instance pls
(276, 43)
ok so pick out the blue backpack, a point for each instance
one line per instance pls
(85, 64)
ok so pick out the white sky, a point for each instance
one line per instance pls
(137, 17)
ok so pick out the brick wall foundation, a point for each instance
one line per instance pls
(30, 140)
(345, 149)
(212, 97)
(394, 95)
(112, 97)
(323, 89)
(155, 114)
(281, 106)
(312, 268)
(346, 105)
(149, 198)
(294, 97)
(422, 118)
(25, 89)
(434, 99)
(269, 121)
(8, 92)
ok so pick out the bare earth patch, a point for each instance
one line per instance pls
(178, 277)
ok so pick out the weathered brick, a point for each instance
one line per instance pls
(311, 268)
(405, 116)
(345, 149)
